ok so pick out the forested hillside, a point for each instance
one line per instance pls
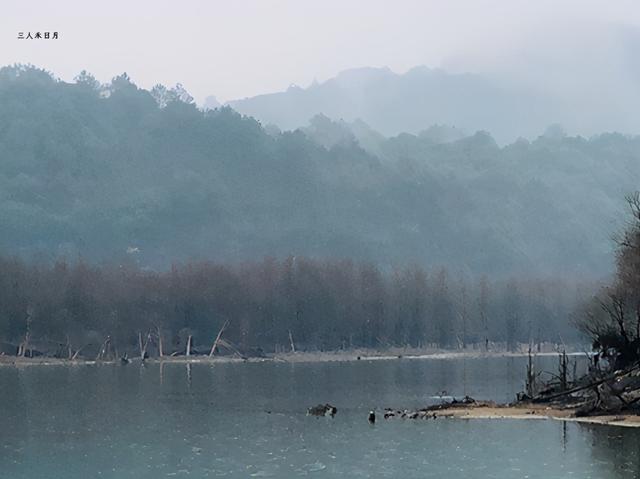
(105, 172)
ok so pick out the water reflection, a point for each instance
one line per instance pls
(210, 420)
(618, 447)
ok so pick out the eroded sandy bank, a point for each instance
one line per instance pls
(534, 412)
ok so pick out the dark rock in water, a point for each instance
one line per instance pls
(316, 410)
(464, 400)
(425, 413)
(322, 410)
(372, 417)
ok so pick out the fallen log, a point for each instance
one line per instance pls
(218, 338)
(75, 355)
(540, 399)
(593, 385)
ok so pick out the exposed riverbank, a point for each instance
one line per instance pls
(368, 355)
(298, 357)
(531, 412)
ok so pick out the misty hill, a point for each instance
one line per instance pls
(330, 133)
(394, 103)
(114, 171)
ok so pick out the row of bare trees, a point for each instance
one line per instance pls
(72, 309)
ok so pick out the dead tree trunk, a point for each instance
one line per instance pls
(102, 354)
(145, 345)
(563, 370)
(188, 352)
(531, 386)
(22, 349)
(293, 346)
(159, 335)
(75, 355)
(218, 337)
(140, 346)
(25, 345)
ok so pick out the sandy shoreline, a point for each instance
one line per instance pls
(535, 412)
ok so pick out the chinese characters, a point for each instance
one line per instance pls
(37, 35)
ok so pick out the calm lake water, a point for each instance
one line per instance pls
(248, 420)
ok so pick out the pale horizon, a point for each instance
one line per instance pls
(214, 48)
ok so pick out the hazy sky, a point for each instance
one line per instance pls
(239, 48)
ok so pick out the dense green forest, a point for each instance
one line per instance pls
(114, 172)
(317, 305)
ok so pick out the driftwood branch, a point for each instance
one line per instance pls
(104, 348)
(75, 355)
(159, 336)
(590, 385)
(230, 346)
(214, 346)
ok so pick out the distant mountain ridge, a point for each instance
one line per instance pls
(393, 103)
